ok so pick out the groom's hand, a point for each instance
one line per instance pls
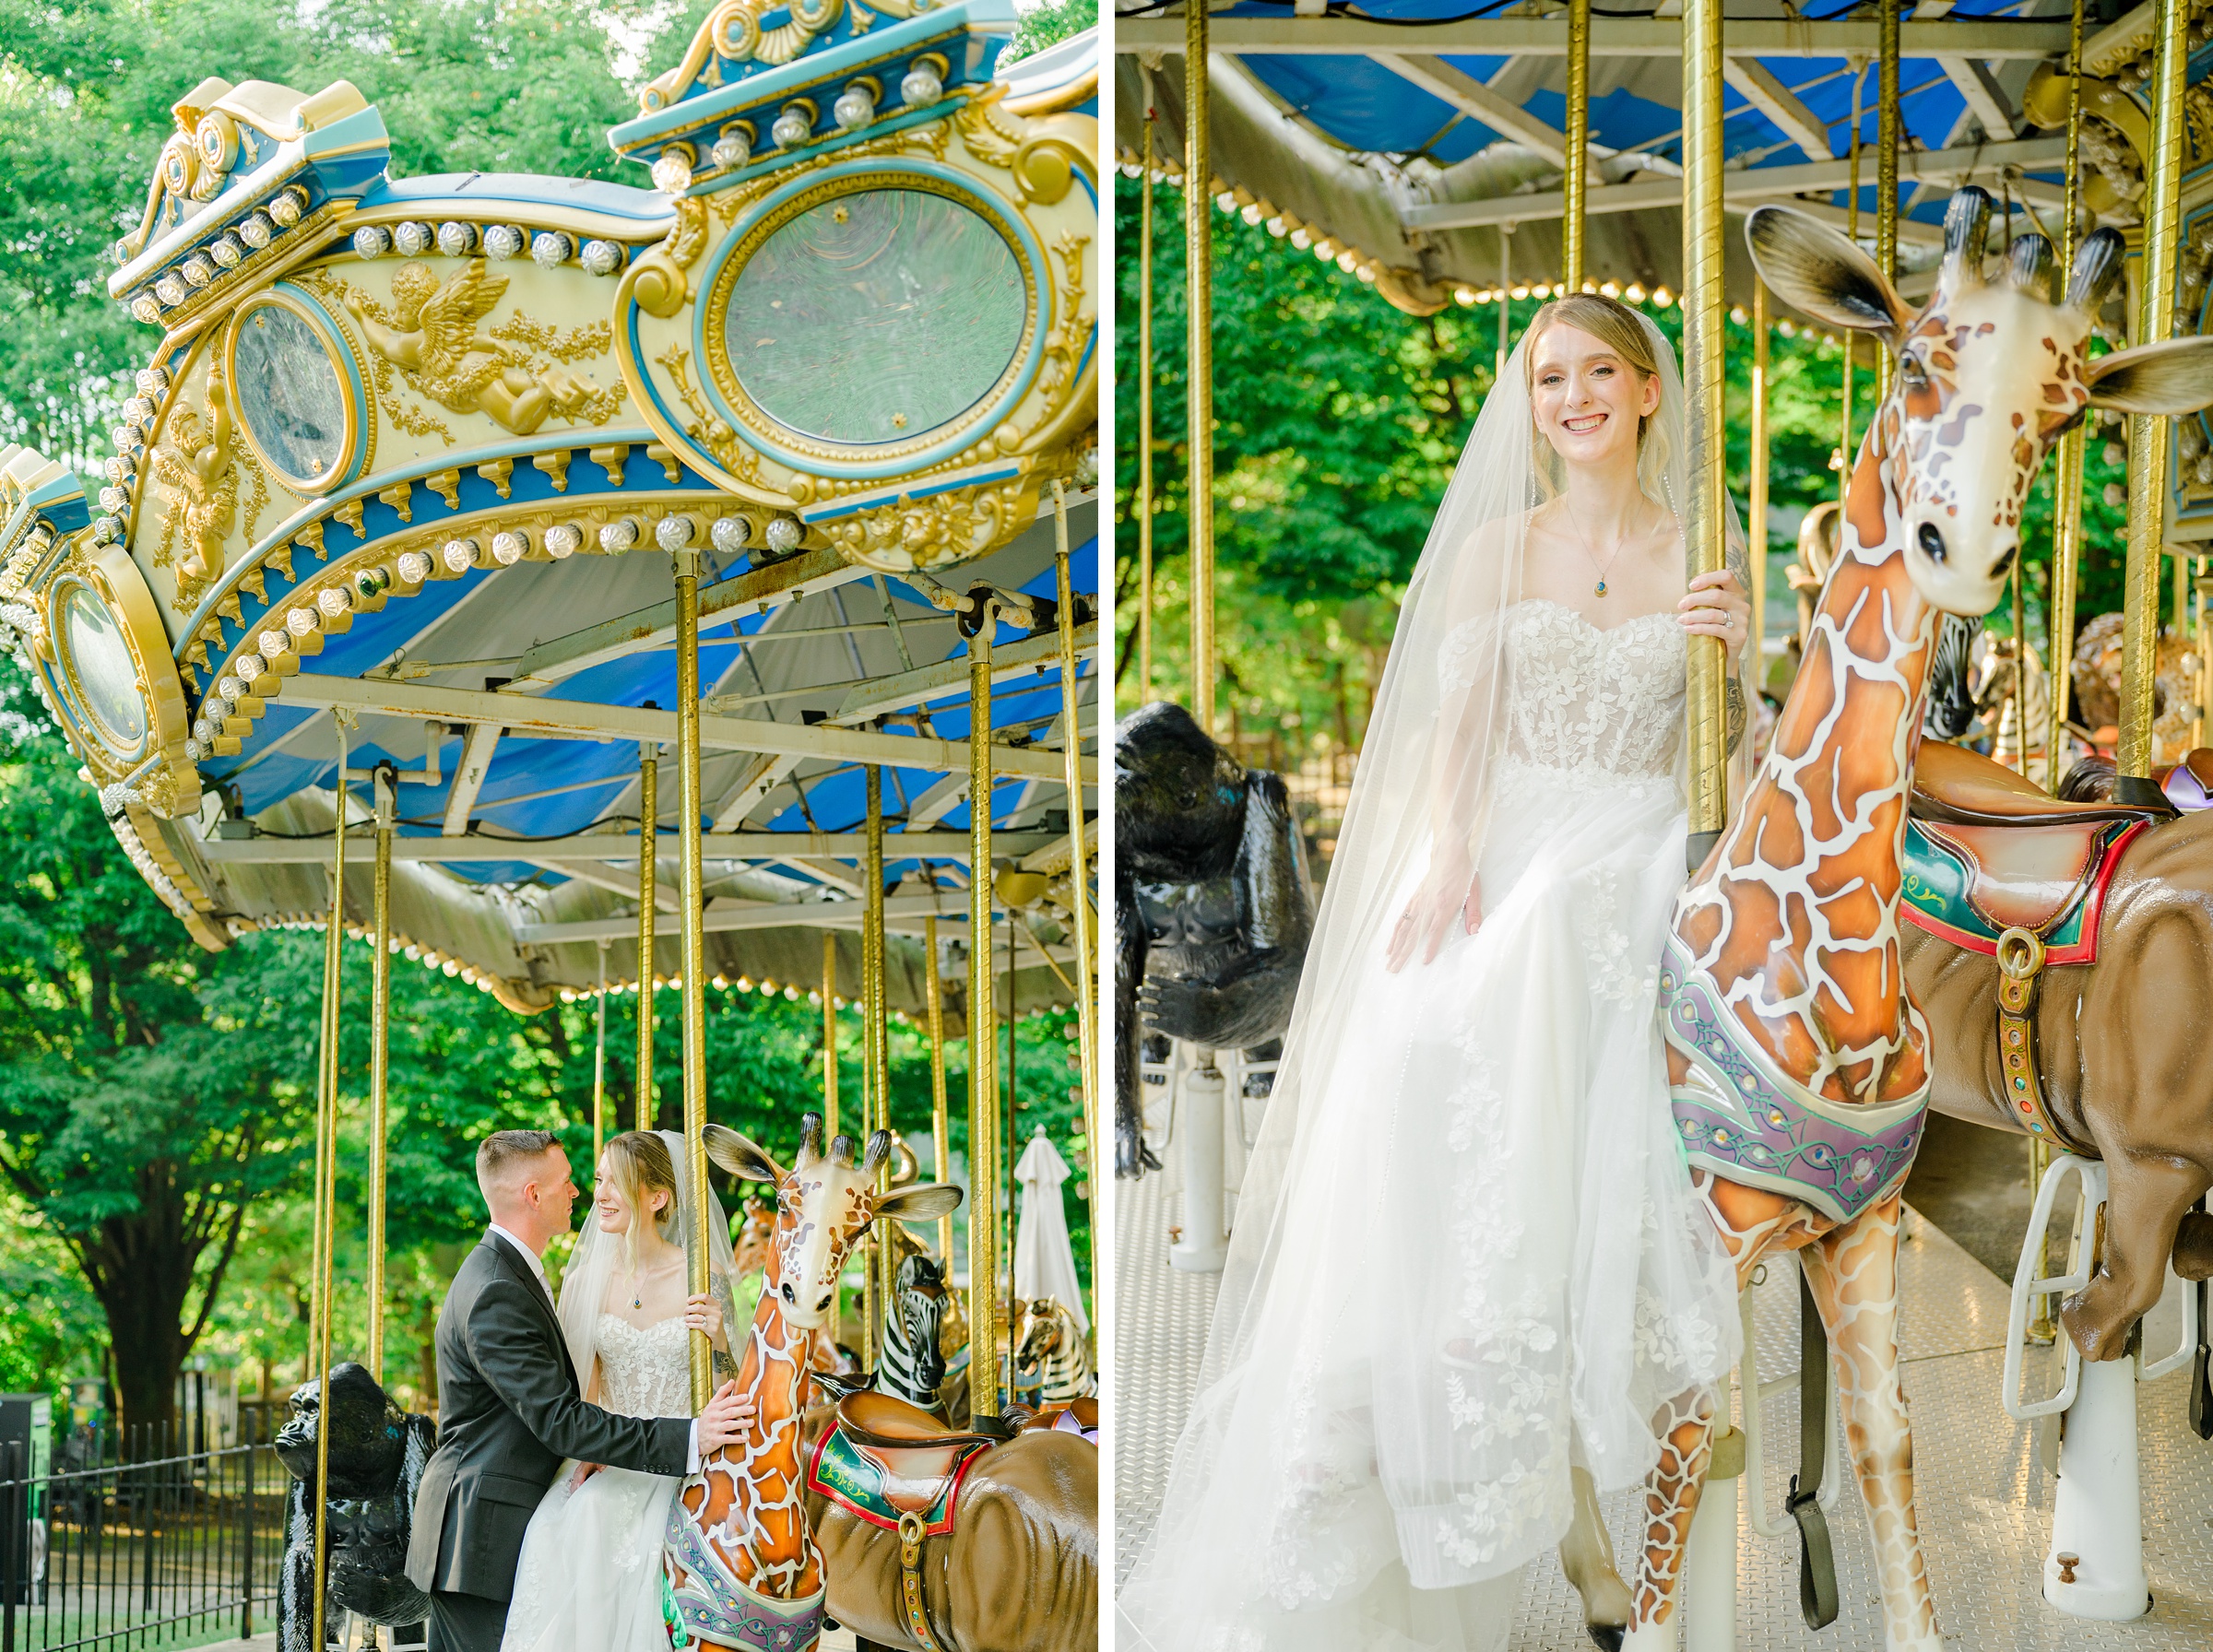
(725, 1421)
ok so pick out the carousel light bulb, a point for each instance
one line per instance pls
(147, 308)
(1251, 213)
(300, 623)
(334, 600)
(456, 240)
(673, 533)
(250, 667)
(730, 534)
(1326, 250)
(1662, 296)
(504, 241)
(744, 985)
(459, 555)
(672, 170)
(138, 410)
(563, 541)
(795, 126)
(1463, 296)
(273, 644)
(792, 993)
(414, 239)
(855, 108)
(285, 211)
(1301, 239)
(414, 567)
(510, 545)
(601, 258)
(170, 290)
(1787, 327)
(1541, 291)
(922, 85)
(371, 240)
(1348, 261)
(114, 498)
(785, 534)
(198, 271)
(203, 731)
(618, 535)
(733, 145)
(257, 232)
(1610, 289)
(1277, 228)
(550, 249)
(1520, 290)
(229, 687)
(1738, 315)
(1633, 293)
(228, 252)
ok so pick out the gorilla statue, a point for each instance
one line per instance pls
(377, 1453)
(1212, 907)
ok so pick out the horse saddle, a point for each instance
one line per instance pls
(1986, 851)
(2189, 784)
(883, 1460)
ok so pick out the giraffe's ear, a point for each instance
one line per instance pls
(1811, 266)
(2172, 377)
(738, 1155)
(923, 1202)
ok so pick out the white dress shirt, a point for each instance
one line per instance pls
(538, 1271)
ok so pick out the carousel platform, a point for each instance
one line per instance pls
(1985, 1496)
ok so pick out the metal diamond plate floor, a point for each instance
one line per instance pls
(1984, 1500)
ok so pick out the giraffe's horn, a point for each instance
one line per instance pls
(2030, 266)
(1965, 221)
(811, 1136)
(841, 1150)
(878, 1147)
(2096, 267)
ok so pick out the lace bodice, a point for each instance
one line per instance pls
(1585, 699)
(644, 1373)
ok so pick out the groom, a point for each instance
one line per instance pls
(510, 1407)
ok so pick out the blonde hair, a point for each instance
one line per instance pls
(1623, 333)
(639, 1163)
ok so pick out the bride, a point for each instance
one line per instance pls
(1468, 1289)
(589, 1579)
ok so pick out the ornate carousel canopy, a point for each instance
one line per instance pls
(401, 484)
(1422, 147)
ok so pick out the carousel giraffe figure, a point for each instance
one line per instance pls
(740, 1563)
(1798, 1062)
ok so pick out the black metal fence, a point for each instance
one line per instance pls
(141, 1541)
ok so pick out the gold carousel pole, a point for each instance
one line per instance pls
(1576, 179)
(939, 1119)
(380, 1063)
(649, 821)
(693, 887)
(2148, 452)
(1885, 171)
(1703, 345)
(2067, 538)
(600, 1069)
(1199, 260)
(1071, 749)
(837, 1297)
(1145, 432)
(327, 1166)
(875, 1108)
(1757, 529)
(1851, 229)
(984, 1378)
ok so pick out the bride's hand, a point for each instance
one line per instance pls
(1450, 891)
(1716, 606)
(583, 1472)
(704, 1314)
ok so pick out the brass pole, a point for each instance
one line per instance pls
(649, 825)
(1851, 223)
(1199, 259)
(693, 887)
(1078, 875)
(1576, 180)
(380, 1064)
(837, 1294)
(1007, 1146)
(2205, 666)
(2020, 675)
(940, 1121)
(875, 1111)
(326, 1188)
(600, 1069)
(1703, 345)
(1886, 169)
(2066, 537)
(1757, 526)
(1505, 318)
(2161, 207)
(986, 1379)
(1145, 432)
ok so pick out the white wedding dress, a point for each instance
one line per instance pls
(589, 1579)
(1488, 1265)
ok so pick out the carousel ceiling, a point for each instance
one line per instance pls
(1420, 142)
(402, 484)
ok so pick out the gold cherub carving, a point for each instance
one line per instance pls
(431, 336)
(193, 467)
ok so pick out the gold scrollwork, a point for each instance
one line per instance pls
(732, 32)
(195, 466)
(704, 428)
(660, 286)
(950, 527)
(431, 334)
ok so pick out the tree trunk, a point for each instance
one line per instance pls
(140, 1268)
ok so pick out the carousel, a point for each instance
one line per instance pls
(627, 594)
(2053, 1487)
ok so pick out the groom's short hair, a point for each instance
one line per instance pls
(503, 1153)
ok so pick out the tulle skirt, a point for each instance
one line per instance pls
(1488, 1267)
(589, 1579)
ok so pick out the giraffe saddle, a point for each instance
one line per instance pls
(883, 1460)
(1986, 851)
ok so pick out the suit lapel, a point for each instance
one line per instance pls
(504, 1255)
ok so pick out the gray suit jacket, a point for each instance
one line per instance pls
(509, 1412)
